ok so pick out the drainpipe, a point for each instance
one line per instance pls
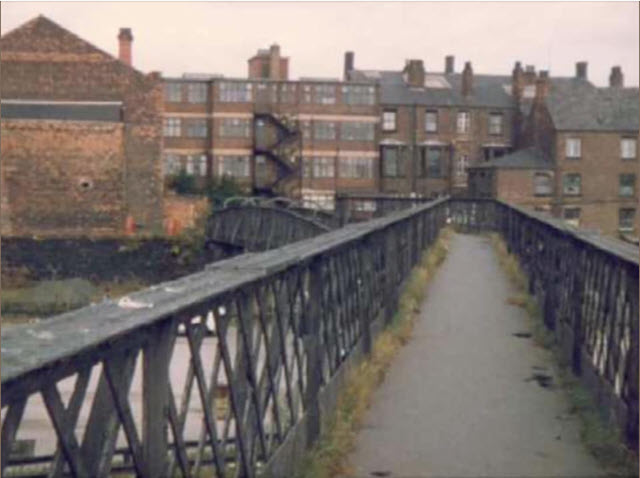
(414, 151)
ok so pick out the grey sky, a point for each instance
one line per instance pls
(213, 37)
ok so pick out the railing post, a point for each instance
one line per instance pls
(366, 267)
(155, 398)
(314, 356)
(391, 273)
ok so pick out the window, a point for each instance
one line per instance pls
(197, 92)
(358, 95)
(189, 165)
(319, 167)
(306, 93)
(572, 216)
(626, 219)
(627, 185)
(266, 93)
(573, 148)
(235, 128)
(305, 126)
(461, 165)
(542, 185)
(389, 121)
(628, 148)
(172, 164)
(392, 162)
(287, 93)
(463, 122)
(356, 131)
(324, 94)
(356, 168)
(571, 184)
(200, 161)
(235, 166)
(172, 127)
(432, 162)
(495, 123)
(173, 92)
(324, 130)
(235, 92)
(197, 128)
(431, 121)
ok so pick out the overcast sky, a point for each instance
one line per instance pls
(209, 37)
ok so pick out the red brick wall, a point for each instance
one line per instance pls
(63, 178)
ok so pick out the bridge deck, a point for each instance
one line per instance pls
(459, 399)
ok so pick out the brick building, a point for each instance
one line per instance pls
(81, 136)
(435, 124)
(587, 137)
(307, 138)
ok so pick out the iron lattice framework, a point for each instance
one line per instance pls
(235, 368)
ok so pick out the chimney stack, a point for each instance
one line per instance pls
(348, 64)
(581, 70)
(274, 62)
(125, 39)
(415, 73)
(542, 86)
(616, 78)
(517, 81)
(467, 79)
(449, 64)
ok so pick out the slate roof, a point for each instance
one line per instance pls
(578, 105)
(488, 90)
(529, 158)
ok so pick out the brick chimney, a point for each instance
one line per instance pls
(449, 64)
(274, 62)
(542, 86)
(616, 78)
(348, 64)
(581, 70)
(415, 73)
(467, 79)
(517, 81)
(125, 39)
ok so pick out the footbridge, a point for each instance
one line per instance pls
(141, 386)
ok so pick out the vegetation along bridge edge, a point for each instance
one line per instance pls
(286, 323)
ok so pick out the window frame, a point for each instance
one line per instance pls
(460, 120)
(630, 227)
(536, 186)
(500, 124)
(172, 127)
(197, 93)
(565, 177)
(632, 190)
(435, 123)
(575, 222)
(634, 141)
(568, 152)
(197, 128)
(170, 90)
(395, 120)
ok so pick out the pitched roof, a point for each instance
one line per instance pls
(578, 105)
(441, 89)
(42, 35)
(529, 158)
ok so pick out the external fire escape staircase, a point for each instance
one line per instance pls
(276, 138)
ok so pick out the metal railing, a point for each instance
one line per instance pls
(233, 368)
(236, 367)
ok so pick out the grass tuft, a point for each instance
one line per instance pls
(328, 458)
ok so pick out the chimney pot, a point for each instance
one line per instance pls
(467, 79)
(415, 73)
(616, 78)
(348, 64)
(125, 39)
(581, 70)
(449, 64)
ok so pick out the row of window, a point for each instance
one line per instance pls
(463, 122)
(572, 185)
(193, 165)
(628, 148)
(325, 167)
(626, 217)
(431, 162)
(241, 128)
(244, 92)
